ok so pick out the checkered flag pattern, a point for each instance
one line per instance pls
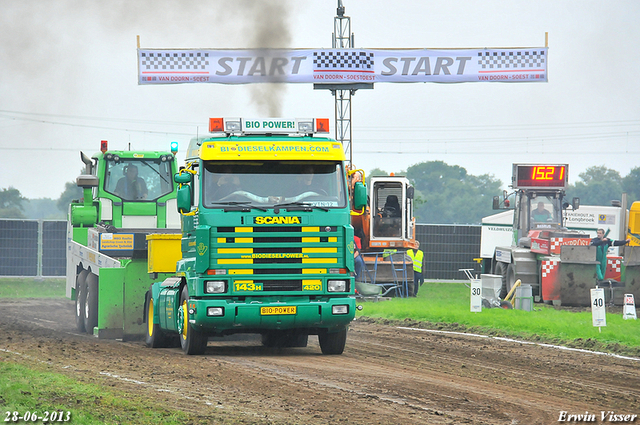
(555, 243)
(614, 265)
(548, 266)
(524, 60)
(343, 60)
(174, 61)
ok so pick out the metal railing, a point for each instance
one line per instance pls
(38, 248)
(32, 248)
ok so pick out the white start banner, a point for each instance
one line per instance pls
(341, 66)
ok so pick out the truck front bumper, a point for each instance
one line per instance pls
(223, 316)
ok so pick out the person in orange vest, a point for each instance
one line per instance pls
(417, 257)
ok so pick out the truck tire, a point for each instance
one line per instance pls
(81, 295)
(334, 342)
(155, 337)
(91, 303)
(192, 341)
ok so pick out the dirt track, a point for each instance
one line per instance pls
(387, 375)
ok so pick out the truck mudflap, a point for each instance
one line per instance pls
(220, 316)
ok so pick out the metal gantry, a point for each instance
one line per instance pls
(343, 39)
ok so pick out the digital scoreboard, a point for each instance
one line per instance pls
(540, 176)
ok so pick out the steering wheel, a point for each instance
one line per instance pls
(389, 211)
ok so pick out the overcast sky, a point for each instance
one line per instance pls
(68, 79)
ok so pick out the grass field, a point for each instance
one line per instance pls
(447, 306)
(31, 288)
(36, 390)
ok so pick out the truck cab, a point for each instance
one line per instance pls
(267, 245)
(136, 189)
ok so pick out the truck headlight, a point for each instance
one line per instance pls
(340, 309)
(214, 287)
(337, 286)
(215, 311)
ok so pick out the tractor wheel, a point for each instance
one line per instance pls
(332, 343)
(91, 304)
(81, 295)
(511, 278)
(155, 337)
(501, 270)
(192, 341)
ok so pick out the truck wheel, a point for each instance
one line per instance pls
(81, 295)
(155, 338)
(501, 270)
(191, 341)
(332, 343)
(91, 303)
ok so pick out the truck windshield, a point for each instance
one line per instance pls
(138, 179)
(545, 210)
(268, 183)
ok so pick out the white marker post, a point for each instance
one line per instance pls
(629, 309)
(598, 309)
(476, 295)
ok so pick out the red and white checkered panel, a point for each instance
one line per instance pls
(614, 268)
(555, 245)
(548, 266)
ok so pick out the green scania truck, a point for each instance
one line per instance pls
(267, 246)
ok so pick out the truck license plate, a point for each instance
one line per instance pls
(268, 311)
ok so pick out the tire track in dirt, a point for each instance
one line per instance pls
(386, 374)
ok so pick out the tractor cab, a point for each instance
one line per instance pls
(539, 205)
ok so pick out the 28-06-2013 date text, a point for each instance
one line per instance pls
(44, 417)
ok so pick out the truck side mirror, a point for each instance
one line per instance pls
(496, 202)
(575, 203)
(182, 178)
(359, 196)
(87, 180)
(183, 198)
(410, 192)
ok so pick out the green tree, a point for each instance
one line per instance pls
(631, 185)
(598, 185)
(71, 192)
(376, 172)
(42, 208)
(11, 203)
(450, 194)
